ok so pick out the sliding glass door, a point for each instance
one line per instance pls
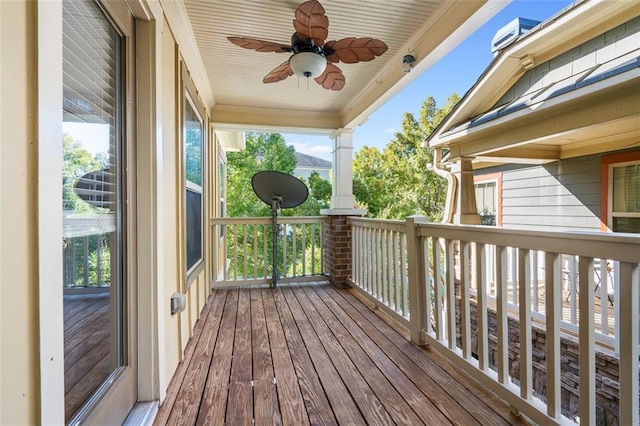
(94, 207)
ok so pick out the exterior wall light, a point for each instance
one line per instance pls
(407, 63)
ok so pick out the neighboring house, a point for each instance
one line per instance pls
(549, 138)
(309, 163)
(552, 127)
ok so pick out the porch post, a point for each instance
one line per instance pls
(466, 212)
(336, 236)
(342, 171)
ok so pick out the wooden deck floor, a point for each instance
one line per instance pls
(86, 347)
(311, 354)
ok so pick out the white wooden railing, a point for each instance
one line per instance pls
(529, 276)
(380, 263)
(242, 254)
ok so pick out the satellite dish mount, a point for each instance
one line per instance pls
(278, 190)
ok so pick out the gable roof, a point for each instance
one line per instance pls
(526, 85)
(309, 161)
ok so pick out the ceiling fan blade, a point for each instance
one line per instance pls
(332, 78)
(351, 50)
(279, 73)
(259, 45)
(311, 22)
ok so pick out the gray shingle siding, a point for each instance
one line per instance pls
(564, 195)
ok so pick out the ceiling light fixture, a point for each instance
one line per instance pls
(307, 64)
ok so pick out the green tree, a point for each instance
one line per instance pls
(263, 151)
(396, 182)
(76, 162)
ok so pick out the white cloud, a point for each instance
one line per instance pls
(391, 131)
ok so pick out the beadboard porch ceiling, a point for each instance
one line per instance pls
(428, 29)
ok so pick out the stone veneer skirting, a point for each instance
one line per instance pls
(607, 376)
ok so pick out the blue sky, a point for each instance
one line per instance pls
(455, 73)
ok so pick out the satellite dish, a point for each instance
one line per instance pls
(285, 189)
(96, 188)
(278, 190)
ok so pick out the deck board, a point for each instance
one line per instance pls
(308, 356)
(403, 373)
(289, 394)
(266, 409)
(311, 354)
(214, 400)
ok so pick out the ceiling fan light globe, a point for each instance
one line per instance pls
(307, 64)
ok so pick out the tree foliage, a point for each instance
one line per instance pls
(268, 151)
(395, 183)
(76, 162)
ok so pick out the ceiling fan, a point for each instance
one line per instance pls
(312, 57)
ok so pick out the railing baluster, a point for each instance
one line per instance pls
(604, 306)
(389, 263)
(266, 236)
(85, 260)
(255, 251)
(514, 275)
(235, 252)
(99, 260)
(367, 284)
(245, 236)
(383, 266)
(553, 306)
(396, 271)
(376, 261)
(573, 289)
(450, 294)
(437, 282)
(404, 268)
(502, 356)
(524, 308)
(304, 249)
(313, 247)
(355, 250)
(465, 308)
(587, 342)
(628, 338)
(483, 322)
(294, 254)
(283, 241)
(426, 283)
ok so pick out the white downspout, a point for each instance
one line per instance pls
(452, 184)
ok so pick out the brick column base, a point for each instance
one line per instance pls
(336, 239)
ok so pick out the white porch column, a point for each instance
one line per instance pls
(342, 172)
(466, 212)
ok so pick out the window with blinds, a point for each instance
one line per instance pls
(487, 202)
(193, 140)
(625, 202)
